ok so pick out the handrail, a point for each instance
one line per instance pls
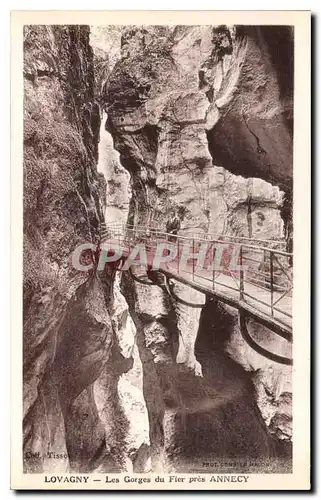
(268, 280)
(218, 235)
(206, 236)
(202, 240)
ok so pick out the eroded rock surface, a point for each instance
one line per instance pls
(68, 332)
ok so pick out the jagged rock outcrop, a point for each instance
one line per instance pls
(119, 393)
(201, 117)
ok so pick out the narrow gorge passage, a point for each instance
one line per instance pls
(157, 126)
(130, 384)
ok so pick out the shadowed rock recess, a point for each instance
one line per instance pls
(150, 124)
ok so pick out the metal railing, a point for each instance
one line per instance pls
(263, 277)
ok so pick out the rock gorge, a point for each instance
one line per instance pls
(148, 124)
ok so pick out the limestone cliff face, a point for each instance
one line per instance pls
(201, 117)
(178, 86)
(68, 333)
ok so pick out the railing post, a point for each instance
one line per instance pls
(271, 281)
(193, 258)
(177, 255)
(213, 264)
(241, 275)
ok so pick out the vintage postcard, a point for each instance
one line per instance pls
(160, 250)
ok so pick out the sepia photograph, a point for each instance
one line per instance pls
(158, 254)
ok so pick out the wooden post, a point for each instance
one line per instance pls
(241, 275)
(271, 281)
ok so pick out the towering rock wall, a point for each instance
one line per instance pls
(180, 101)
(69, 339)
